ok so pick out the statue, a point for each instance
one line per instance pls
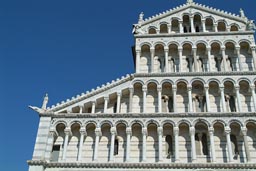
(251, 25)
(190, 1)
(141, 16)
(137, 29)
(43, 108)
(242, 13)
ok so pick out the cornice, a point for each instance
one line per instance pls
(151, 115)
(144, 165)
(196, 34)
(179, 74)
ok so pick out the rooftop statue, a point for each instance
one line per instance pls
(137, 29)
(242, 13)
(190, 1)
(141, 16)
(44, 105)
(251, 25)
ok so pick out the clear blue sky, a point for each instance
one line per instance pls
(65, 48)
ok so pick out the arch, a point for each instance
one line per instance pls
(184, 121)
(152, 121)
(213, 80)
(121, 122)
(187, 42)
(249, 120)
(166, 81)
(222, 122)
(244, 79)
(197, 79)
(90, 122)
(229, 79)
(159, 43)
(137, 82)
(60, 122)
(145, 43)
(198, 120)
(244, 40)
(229, 41)
(198, 13)
(106, 122)
(235, 121)
(75, 122)
(202, 42)
(181, 80)
(152, 81)
(215, 41)
(152, 30)
(175, 18)
(173, 43)
(168, 122)
(234, 27)
(185, 13)
(210, 17)
(137, 122)
(220, 29)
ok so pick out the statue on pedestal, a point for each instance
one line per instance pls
(44, 105)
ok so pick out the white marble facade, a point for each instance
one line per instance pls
(190, 104)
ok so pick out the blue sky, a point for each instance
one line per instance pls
(64, 48)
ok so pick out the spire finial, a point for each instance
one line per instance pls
(45, 101)
(242, 13)
(190, 1)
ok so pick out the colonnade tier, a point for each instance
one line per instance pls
(192, 23)
(195, 57)
(175, 96)
(200, 140)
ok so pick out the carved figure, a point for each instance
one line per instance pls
(242, 13)
(44, 105)
(45, 102)
(251, 25)
(190, 1)
(141, 16)
(137, 29)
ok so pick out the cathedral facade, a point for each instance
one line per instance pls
(190, 105)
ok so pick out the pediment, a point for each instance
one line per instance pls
(192, 9)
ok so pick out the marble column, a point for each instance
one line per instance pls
(98, 134)
(81, 109)
(81, 142)
(138, 53)
(195, 59)
(176, 143)
(254, 56)
(193, 143)
(174, 98)
(169, 28)
(239, 58)
(208, 103)
(246, 145)
(118, 104)
(224, 58)
(215, 26)
(191, 17)
(229, 146)
(50, 143)
(112, 144)
(93, 106)
(209, 59)
(253, 96)
(159, 91)
(190, 98)
(160, 143)
(203, 25)
(152, 51)
(211, 134)
(237, 87)
(166, 52)
(180, 59)
(144, 90)
(106, 99)
(144, 144)
(131, 90)
(68, 133)
(181, 26)
(128, 143)
(224, 109)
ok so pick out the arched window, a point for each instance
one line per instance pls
(234, 146)
(163, 28)
(152, 31)
(168, 149)
(232, 104)
(116, 147)
(201, 144)
(170, 104)
(205, 144)
(234, 28)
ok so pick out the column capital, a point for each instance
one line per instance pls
(68, 132)
(180, 22)
(244, 131)
(144, 88)
(98, 132)
(176, 130)
(83, 131)
(152, 49)
(113, 131)
(174, 88)
(194, 48)
(138, 50)
(206, 87)
(53, 133)
(253, 47)
(223, 48)
(238, 48)
(192, 130)
(208, 48)
(119, 93)
(106, 98)
(166, 49)
(252, 87)
(93, 102)
(203, 20)
(129, 130)
(227, 130)
(160, 130)
(221, 87)
(144, 131)
(189, 87)
(131, 89)
(211, 130)
(159, 88)
(237, 87)
(180, 49)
